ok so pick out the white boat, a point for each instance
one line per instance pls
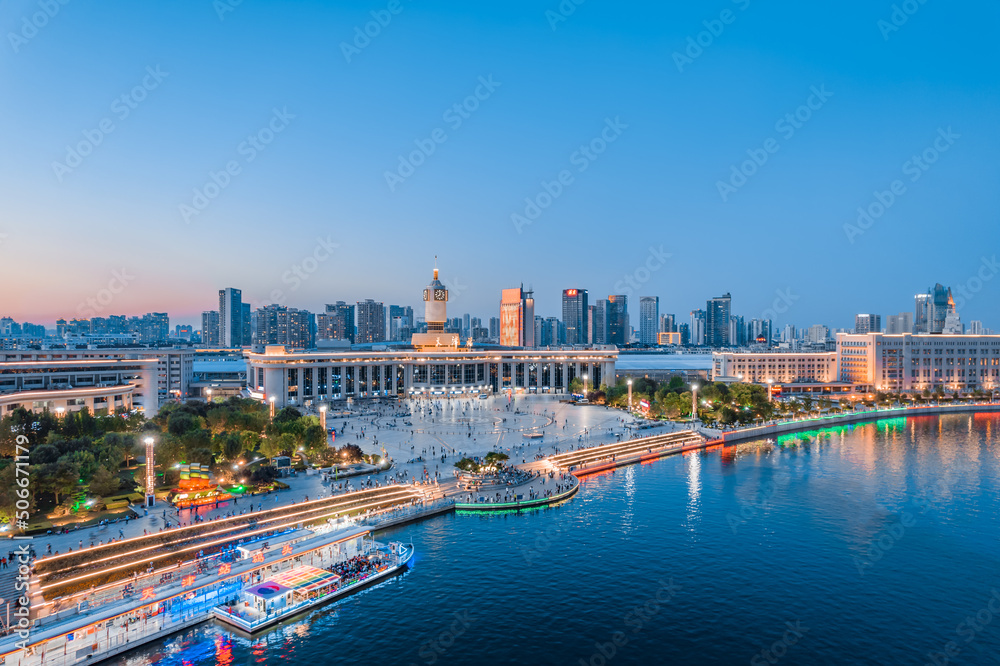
(303, 587)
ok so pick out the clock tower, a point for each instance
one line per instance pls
(436, 316)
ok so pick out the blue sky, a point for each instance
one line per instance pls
(223, 76)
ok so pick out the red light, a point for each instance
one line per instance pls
(287, 550)
(571, 292)
(224, 569)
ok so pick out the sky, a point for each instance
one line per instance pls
(307, 152)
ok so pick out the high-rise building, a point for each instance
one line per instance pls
(668, 323)
(517, 318)
(649, 319)
(818, 334)
(400, 323)
(338, 323)
(280, 325)
(230, 317)
(717, 312)
(759, 332)
(685, 332)
(737, 331)
(696, 336)
(247, 322)
(921, 313)
(901, 323)
(976, 328)
(788, 334)
(210, 328)
(575, 310)
(867, 323)
(941, 304)
(598, 333)
(495, 328)
(619, 327)
(371, 321)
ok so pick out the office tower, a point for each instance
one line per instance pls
(574, 316)
(976, 328)
(517, 318)
(371, 321)
(697, 330)
(230, 317)
(542, 337)
(717, 312)
(940, 305)
(788, 334)
(759, 331)
(466, 324)
(183, 331)
(668, 323)
(921, 313)
(247, 322)
(495, 328)
(737, 331)
(901, 323)
(339, 322)
(154, 327)
(400, 322)
(210, 328)
(649, 319)
(867, 323)
(619, 328)
(685, 333)
(599, 331)
(953, 324)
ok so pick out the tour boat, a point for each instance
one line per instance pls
(300, 588)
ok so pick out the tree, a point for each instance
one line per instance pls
(676, 383)
(104, 483)
(272, 447)
(314, 438)
(8, 494)
(57, 478)
(180, 423)
(576, 385)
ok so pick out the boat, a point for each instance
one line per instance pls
(301, 588)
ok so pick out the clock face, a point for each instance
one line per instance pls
(427, 294)
(439, 294)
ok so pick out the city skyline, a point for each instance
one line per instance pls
(672, 132)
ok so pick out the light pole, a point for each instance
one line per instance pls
(271, 400)
(585, 377)
(208, 392)
(59, 412)
(629, 382)
(322, 417)
(770, 396)
(694, 402)
(150, 472)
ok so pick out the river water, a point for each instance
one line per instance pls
(876, 544)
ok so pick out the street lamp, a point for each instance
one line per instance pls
(322, 416)
(271, 400)
(629, 382)
(694, 402)
(150, 472)
(770, 396)
(59, 411)
(585, 377)
(208, 392)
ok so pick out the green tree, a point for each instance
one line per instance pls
(104, 483)
(57, 478)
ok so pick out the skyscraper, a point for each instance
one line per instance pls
(697, 329)
(230, 317)
(517, 318)
(495, 328)
(649, 319)
(940, 306)
(619, 328)
(574, 316)
(599, 332)
(867, 323)
(400, 322)
(371, 321)
(921, 313)
(246, 338)
(210, 328)
(901, 323)
(338, 324)
(668, 323)
(717, 314)
(280, 325)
